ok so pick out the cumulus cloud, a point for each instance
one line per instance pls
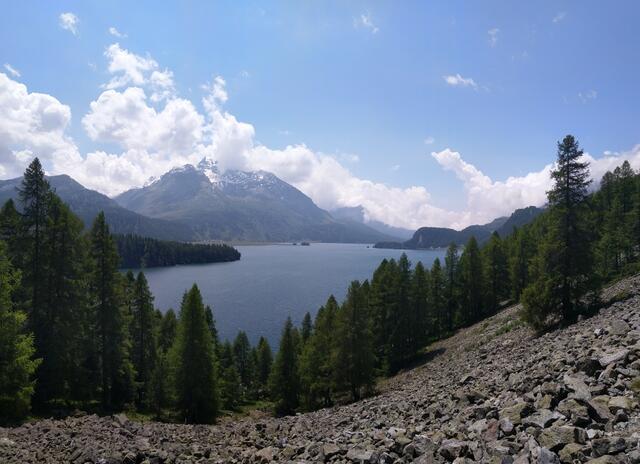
(148, 137)
(69, 22)
(32, 123)
(366, 21)
(429, 140)
(456, 80)
(13, 71)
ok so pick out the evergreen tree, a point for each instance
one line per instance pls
(168, 331)
(565, 263)
(211, 323)
(194, 362)
(497, 272)
(400, 343)
(353, 360)
(452, 284)
(307, 327)
(520, 257)
(230, 385)
(472, 283)
(284, 379)
(65, 308)
(11, 231)
(422, 321)
(437, 298)
(316, 360)
(263, 364)
(382, 305)
(17, 363)
(243, 361)
(116, 374)
(144, 344)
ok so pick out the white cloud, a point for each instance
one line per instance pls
(116, 33)
(366, 21)
(147, 138)
(13, 71)
(559, 17)
(588, 95)
(127, 68)
(457, 80)
(69, 22)
(493, 36)
(429, 140)
(395, 167)
(32, 123)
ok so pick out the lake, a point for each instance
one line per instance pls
(271, 282)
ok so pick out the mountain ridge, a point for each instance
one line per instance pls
(440, 237)
(240, 205)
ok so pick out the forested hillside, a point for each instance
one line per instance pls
(138, 252)
(81, 334)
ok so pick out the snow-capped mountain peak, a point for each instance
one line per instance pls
(210, 169)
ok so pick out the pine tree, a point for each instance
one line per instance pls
(520, 257)
(65, 308)
(422, 321)
(400, 343)
(307, 327)
(17, 363)
(263, 365)
(472, 283)
(316, 360)
(284, 380)
(168, 331)
(194, 363)
(243, 361)
(452, 284)
(211, 323)
(230, 385)
(437, 299)
(144, 343)
(11, 231)
(382, 305)
(353, 360)
(565, 263)
(496, 271)
(116, 374)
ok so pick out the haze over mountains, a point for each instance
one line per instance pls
(438, 237)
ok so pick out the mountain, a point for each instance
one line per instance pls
(240, 205)
(88, 203)
(356, 214)
(439, 237)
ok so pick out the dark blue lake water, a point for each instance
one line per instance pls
(271, 282)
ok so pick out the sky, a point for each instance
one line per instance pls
(425, 113)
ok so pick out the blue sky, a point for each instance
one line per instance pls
(362, 82)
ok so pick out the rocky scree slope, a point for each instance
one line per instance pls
(493, 393)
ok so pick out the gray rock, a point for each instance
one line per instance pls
(612, 358)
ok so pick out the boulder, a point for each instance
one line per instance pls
(556, 437)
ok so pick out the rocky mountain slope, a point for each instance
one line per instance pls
(239, 205)
(493, 393)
